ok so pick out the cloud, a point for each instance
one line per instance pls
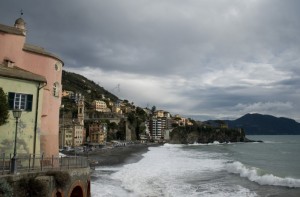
(276, 108)
(190, 57)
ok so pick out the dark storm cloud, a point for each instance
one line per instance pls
(215, 56)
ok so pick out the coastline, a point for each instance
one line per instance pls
(120, 155)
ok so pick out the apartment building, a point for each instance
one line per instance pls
(78, 135)
(100, 106)
(158, 123)
(97, 133)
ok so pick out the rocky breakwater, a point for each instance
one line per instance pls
(192, 134)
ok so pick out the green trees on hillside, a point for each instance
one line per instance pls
(88, 88)
(206, 134)
(153, 109)
(136, 119)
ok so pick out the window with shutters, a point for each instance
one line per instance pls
(20, 101)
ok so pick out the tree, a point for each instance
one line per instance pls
(141, 114)
(112, 126)
(153, 109)
(3, 108)
(121, 133)
(131, 117)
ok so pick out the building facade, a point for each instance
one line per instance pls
(158, 123)
(100, 106)
(97, 133)
(38, 61)
(23, 90)
(78, 135)
(71, 130)
(66, 135)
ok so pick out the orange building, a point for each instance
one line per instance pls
(38, 61)
(98, 133)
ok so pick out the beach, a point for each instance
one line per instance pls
(118, 155)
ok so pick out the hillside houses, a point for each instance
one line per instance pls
(99, 113)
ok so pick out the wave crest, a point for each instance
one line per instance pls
(253, 174)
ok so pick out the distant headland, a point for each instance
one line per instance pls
(259, 124)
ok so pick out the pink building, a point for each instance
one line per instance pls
(13, 48)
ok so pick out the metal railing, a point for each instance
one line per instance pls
(28, 163)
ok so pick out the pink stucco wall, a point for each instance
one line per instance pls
(11, 47)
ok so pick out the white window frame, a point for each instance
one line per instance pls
(20, 101)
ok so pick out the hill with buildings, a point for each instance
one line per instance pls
(258, 124)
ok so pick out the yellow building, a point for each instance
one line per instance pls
(117, 110)
(159, 113)
(24, 91)
(65, 135)
(100, 106)
(78, 135)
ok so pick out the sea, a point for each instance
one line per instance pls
(271, 168)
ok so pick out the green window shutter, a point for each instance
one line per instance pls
(29, 102)
(11, 98)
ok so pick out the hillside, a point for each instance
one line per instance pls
(79, 84)
(258, 124)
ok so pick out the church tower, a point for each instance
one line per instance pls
(81, 110)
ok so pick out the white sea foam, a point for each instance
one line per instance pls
(108, 168)
(104, 185)
(197, 170)
(172, 145)
(219, 190)
(254, 174)
(107, 188)
(173, 171)
(210, 144)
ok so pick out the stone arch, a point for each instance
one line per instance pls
(88, 193)
(58, 193)
(77, 189)
(77, 192)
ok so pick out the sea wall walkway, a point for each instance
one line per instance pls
(38, 175)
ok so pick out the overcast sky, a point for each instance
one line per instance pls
(216, 59)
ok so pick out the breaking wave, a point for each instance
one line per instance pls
(256, 175)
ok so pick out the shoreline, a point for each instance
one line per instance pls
(112, 156)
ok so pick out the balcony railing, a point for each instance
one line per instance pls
(28, 163)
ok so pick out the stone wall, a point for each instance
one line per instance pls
(65, 183)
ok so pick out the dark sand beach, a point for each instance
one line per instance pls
(110, 156)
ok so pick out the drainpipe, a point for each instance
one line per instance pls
(36, 116)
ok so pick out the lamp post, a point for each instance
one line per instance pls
(17, 114)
